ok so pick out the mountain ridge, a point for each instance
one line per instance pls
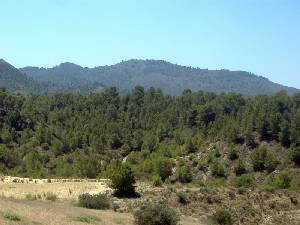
(171, 78)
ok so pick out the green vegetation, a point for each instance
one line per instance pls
(280, 181)
(295, 155)
(98, 201)
(171, 78)
(88, 219)
(263, 159)
(157, 181)
(222, 217)
(122, 180)
(181, 197)
(145, 134)
(239, 168)
(244, 181)
(12, 216)
(218, 169)
(50, 196)
(156, 214)
(184, 173)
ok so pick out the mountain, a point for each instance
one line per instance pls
(15, 81)
(171, 78)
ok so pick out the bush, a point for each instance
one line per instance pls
(157, 181)
(50, 196)
(12, 216)
(244, 181)
(162, 166)
(122, 180)
(88, 219)
(184, 174)
(295, 155)
(262, 159)
(31, 197)
(280, 181)
(222, 217)
(156, 214)
(233, 154)
(218, 170)
(181, 197)
(98, 201)
(240, 168)
(271, 162)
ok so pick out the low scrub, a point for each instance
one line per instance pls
(244, 181)
(262, 159)
(218, 170)
(182, 197)
(12, 216)
(88, 219)
(157, 181)
(222, 217)
(50, 196)
(98, 201)
(280, 181)
(156, 214)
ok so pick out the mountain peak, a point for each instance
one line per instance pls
(69, 65)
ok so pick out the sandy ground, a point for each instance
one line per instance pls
(67, 190)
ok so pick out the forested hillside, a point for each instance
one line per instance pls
(12, 79)
(171, 78)
(67, 135)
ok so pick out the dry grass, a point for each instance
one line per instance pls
(63, 190)
(58, 213)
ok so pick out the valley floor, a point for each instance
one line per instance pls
(64, 213)
(248, 206)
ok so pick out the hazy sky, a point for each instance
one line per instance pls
(260, 36)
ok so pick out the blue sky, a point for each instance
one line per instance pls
(260, 36)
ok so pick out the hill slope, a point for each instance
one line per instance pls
(171, 78)
(12, 79)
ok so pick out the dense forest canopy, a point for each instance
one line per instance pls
(65, 135)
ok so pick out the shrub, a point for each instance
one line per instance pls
(12, 216)
(218, 169)
(162, 166)
(271, 162)
(203, 166)
(122, 180)
(244, 181)
(295, 155)
(181, 197)
(31, 197)
(239, 168)
(222, 217)
(233, 154)
(156, 214)
(280, 181)
(98, 201)
(184, 174)
(88, 219)
(262, 159)
(157, 181)
(217, 153)
(50, 196)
